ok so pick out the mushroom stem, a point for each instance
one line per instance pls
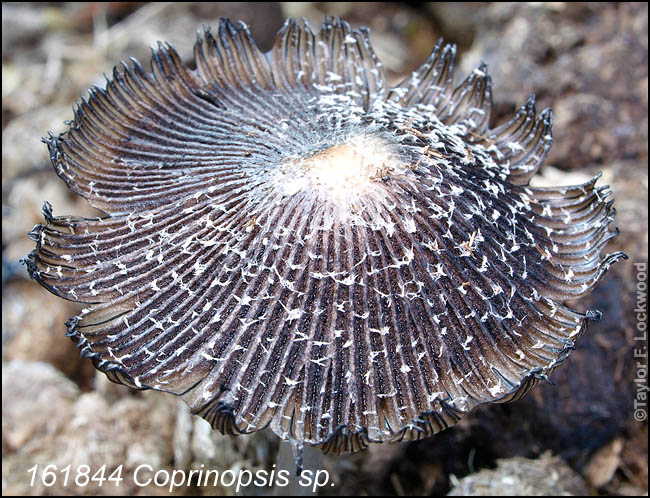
(295, 460)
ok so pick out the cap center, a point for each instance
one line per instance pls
(345, 171)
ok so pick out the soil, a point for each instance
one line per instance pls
(588, 61)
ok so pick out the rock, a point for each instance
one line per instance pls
(37, 400)
(47, 421)
(547, 475)
(33, 327)
(602, 466)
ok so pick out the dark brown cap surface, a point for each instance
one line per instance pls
(289, 242)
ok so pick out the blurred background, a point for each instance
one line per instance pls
(589, 62)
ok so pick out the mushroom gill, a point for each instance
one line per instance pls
(290, 243)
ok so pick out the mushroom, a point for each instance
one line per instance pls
(290, 243)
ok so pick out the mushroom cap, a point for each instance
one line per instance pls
(290, 243)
